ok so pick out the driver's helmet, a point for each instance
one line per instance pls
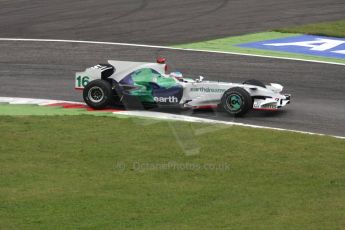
(177, 75)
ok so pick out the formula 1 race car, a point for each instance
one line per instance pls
(140, 84)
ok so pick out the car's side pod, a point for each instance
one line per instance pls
(107, 70)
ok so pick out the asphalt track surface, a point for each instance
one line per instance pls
(157, 22)
(46, 69)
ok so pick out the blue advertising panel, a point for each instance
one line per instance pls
(303, 44)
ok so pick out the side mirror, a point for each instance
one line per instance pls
(200, 79)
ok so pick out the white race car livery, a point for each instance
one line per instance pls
(148, 84)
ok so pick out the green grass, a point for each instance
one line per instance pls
(81, 172)
(332, 29)
(36, 110)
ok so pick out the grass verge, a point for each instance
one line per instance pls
(36, 110)
(108, 173)
(331, 29)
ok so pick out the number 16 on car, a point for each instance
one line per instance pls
(81, 81)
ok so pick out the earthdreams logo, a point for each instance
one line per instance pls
(207, 90)
(170, 99)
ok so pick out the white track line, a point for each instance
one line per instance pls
(170, 48)
(176, 117)
(155, 115)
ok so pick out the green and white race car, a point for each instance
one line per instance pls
(140, 85)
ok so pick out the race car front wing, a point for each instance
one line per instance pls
(271, 103)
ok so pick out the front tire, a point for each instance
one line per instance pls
(236, 101)
(98, 94)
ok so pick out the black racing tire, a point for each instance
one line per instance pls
(254, 82)
(98, 94)
(236, 101)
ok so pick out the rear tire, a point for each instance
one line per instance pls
(254, 82)
(98, 94)
(236, 101)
